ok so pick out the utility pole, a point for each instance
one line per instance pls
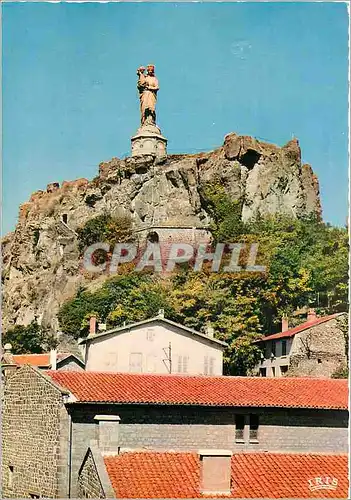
(168, 358)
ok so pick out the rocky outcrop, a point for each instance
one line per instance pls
(41, 263)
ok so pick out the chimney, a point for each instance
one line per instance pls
(311, 315)
(53, 358)
(8, 366)
(285, 323)
(161, 313)
(92, 325)
(209, 331)
(215, 475)
(108, 432)
(7, 356)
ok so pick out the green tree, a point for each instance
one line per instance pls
(33, 338)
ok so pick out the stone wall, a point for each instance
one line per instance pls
(191, 428)
(320, 350)
(88, 484)
(34, 437)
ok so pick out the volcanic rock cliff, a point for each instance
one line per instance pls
(41, 257)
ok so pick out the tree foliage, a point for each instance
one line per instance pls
(306, 265)
(104, 228)
(29, 339)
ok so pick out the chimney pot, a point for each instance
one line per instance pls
(215, 472)
(285, 323)
(209, 331)
(108, 432)
(161, 313)
(92, 325)
(7, 348)
(53, 359)
(311, 315)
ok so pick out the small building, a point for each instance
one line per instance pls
(49, 419)
(211, 473)
(52, 360)
(316, 348)
(156, 345)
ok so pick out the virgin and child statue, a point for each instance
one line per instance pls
(148, 88)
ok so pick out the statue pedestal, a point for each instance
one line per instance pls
(149, 141)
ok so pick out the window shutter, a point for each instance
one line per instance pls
(136, 362)
(206, 365)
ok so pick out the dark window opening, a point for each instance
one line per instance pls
(273, 347)
(239, 428)
(10, 481)
(153, 237)
(283, 347)
(36, 235)
(273, 371)
(284, 369)
(319, 360)
(263, 372)
(64, 218)
(254, 424)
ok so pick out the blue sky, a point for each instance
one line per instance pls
(271, 70)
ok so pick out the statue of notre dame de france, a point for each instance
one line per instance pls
(148, 88)
(148, 139)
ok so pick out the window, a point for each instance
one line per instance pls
(319, 360)
(182, 364)
(273, 371)
(10, 477)
(64, 218)
(151, 363)
(263, 372)
(284, 369)
(283, 347)
(150, 334)
(254, 423)
(153, 237)
(135, 362)
(273, 348)
(239, 428)
(209, 365)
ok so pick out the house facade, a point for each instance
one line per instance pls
(50, 419)
(156, 345)
(316, 348)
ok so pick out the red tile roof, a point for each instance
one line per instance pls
(32, 359)
(254, 475)
(300, 328)
(130, 388)
(40, 360)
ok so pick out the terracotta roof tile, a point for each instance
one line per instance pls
(300, 328)
(32, 359)
(286, 392)
(254, 475)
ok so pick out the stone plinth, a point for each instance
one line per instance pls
(149, 140)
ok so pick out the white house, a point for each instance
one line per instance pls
(156, 345)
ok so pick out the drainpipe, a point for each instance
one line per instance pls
(69, 454)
